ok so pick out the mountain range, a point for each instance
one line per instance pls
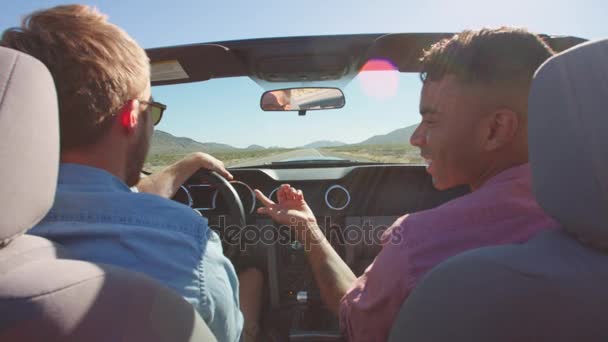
(324, 143)
(398, 136)
(163, 142)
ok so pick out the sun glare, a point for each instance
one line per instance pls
(379, 78)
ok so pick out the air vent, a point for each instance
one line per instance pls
(337, 197)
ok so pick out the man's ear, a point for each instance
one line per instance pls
(503, 126)
(129, 116)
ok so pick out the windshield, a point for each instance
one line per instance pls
(223, 117)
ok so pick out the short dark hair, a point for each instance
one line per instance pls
(487, 56)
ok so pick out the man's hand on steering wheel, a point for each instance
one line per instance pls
(166, 182)
(211, 163)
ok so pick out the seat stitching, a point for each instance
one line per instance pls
(58, 249)
(43, 294)
(8, 80)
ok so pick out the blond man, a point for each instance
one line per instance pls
(107, 115)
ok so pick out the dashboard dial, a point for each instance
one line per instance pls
(337, 197)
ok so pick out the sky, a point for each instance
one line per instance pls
(205, 112)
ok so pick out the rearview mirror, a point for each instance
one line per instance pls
(302, 99)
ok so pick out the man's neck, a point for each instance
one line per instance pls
(94, 158)
(493, 169)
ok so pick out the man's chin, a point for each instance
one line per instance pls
(438, 184)
(134, 174)
(132, 181)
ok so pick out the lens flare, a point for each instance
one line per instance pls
(379, 78)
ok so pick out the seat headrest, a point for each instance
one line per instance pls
(29, 142)
(568, 139)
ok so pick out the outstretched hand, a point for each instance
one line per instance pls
(291, 209)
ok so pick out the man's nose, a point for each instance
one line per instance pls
(418, 138)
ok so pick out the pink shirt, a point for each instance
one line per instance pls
(502, 211)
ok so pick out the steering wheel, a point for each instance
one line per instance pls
(235, 221)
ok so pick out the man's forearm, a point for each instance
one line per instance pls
(184, 169)
(332, 274)
(166, 182)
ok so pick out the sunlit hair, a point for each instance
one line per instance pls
(96, 67)
(503, 55)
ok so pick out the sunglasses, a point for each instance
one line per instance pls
(156, 110)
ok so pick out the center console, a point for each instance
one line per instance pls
(297, 312)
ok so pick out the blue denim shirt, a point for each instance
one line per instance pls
(97, 217)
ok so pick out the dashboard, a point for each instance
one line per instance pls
(345, 191)
(353, 206)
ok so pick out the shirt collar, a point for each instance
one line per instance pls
(83, 175)
(522, 171)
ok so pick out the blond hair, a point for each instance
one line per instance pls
(96, 66)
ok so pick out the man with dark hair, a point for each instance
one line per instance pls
(473, 132)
